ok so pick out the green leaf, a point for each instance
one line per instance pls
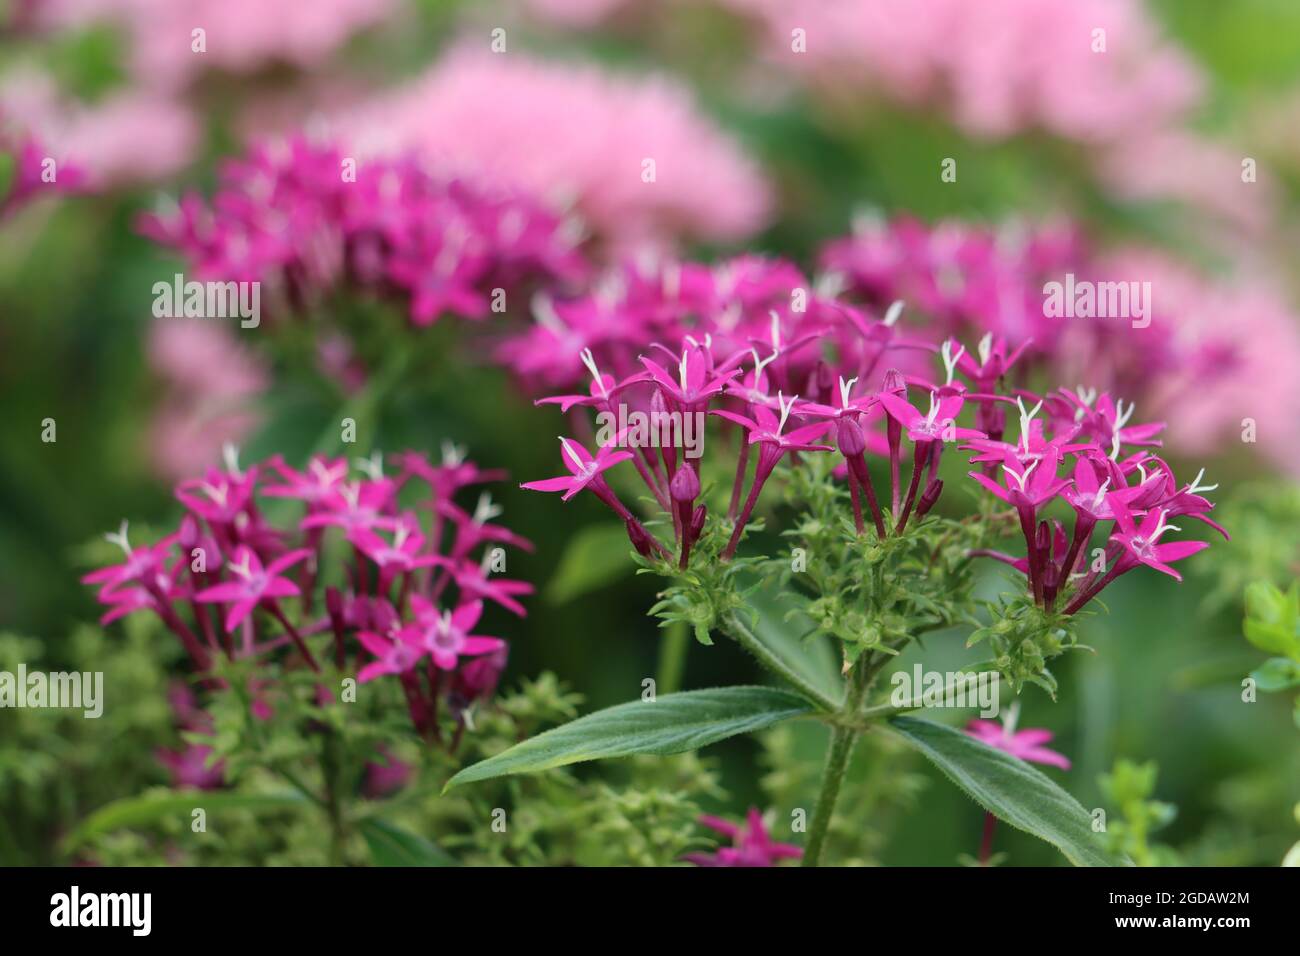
(1277, 673)
(1273, 619)
(671, 724)
(392, 846)
(1009, 788)
(151, 807)
(594, 557)
(812, 658)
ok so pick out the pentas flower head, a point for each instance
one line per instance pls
(285, 215)
(1104, 484)
(233, 583)
(752, 845)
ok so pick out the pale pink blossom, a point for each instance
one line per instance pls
(129, 136)
(239, 35)
(572, 133)
(210, 381)
(998, 66)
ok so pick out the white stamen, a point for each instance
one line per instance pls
(785, 409)
(351, 492)
(894, 313)
(986, 348)
(452, 454)
(573, 455)
(1021, 478)
(230, 455)
(949, 359)
(119, 538)
(486, 509)
(776, 330)
(544, 313)
(590, 361)
(1026, 417)
(373, 467)
(1122, 415)
(845, 388)
(1195, 488)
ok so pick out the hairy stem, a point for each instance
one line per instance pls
(843, 738)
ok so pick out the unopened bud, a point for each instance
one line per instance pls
(928, 497)
(639, 537)
(850, 438)
(697, 521)
(685, 486)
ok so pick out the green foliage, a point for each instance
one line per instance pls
(671, 724)
(1006, 786)
(1265, 545)
(1024, 637)
(1129, 787)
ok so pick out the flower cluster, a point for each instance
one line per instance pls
(304, 218)
(806, 389)
(402, 595)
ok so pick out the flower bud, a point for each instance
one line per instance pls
(685, 486)
(928, 497)
(850, 438)
(639, 537)
(697, 522)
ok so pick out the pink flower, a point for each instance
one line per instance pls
(254, 584)
(998, 68)
(751, 845)
(241, 36)
(1026, 744)
(189, 767)
(472, 112)
(398, 654)
(445, 634)
(210, 382)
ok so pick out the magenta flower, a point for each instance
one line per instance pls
(766, 430)
(1025, 744)
(398, 654)
(938, 424)
(254, 584)
(584, 470)
(404, 553)
(317, 485)
(445, 634)
(751, 845)
(189, 767)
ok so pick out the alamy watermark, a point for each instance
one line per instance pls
(208, 300)
(1085, 299)
(654, 429)
(74, 908)
(57, 690)
(947, 689)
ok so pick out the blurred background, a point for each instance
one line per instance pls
(1172, 148)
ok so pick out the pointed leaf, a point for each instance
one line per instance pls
(1009, 788)
(671, 724)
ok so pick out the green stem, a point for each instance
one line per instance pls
(746, 638)
(843, 737)
(837, 764)
(672, 658)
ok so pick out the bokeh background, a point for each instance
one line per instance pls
(764, 148)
